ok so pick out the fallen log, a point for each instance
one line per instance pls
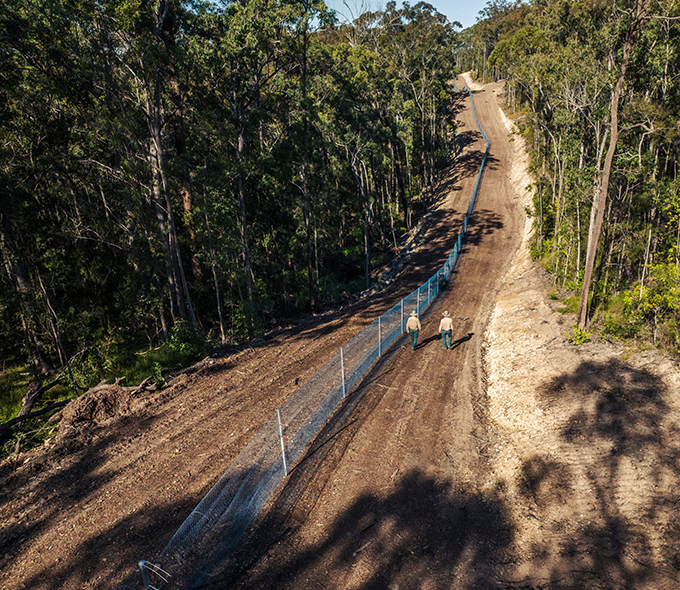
(33, 395)
(7, 426)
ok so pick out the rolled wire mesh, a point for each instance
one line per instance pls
(303, 414)
(255, 469)
(234, 501)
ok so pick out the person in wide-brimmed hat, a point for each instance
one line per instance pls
(446, 329)
(413, 327)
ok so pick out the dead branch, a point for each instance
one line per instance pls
(34, 393)
(8, 426)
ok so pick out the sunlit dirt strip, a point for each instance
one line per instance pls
(400, 498)
(585, 453)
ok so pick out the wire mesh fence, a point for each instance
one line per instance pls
(237, 497)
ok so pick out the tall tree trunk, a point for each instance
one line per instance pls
(57, 335)
(401, 189)
(184, 179)
(427, 183)
(351, 159)
(644, 266)
(240, 146)
(179, 289)
(18, 279)
(578, 241)
(597, 216)
(305, 173)
(177, 309)
(213, 266)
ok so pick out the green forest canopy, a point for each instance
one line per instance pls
(172, 167)
(577, 74)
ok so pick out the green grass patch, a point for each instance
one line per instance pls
(570, 304)
(578, 336)
(30, 433)
(13, 384)
(113, 360)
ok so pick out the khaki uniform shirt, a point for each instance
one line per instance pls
(446, 324)
(413, 323)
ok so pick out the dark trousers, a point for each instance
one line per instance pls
(414, 338)
(447, 336)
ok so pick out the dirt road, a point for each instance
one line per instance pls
(396, 502)
(515, 460)
(123, 473)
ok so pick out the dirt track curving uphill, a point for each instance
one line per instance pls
(396, 502)
(514, 460)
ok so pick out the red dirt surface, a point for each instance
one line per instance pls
(512, 461)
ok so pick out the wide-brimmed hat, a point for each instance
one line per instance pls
(446, 314)
(414, 312)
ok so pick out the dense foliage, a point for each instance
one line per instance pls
(184, 166)
(563, 61)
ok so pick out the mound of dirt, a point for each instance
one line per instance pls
(100, 406)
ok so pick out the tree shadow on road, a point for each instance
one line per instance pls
(617, 469)
(606, 499)
(482, 223)
(424, 533)
(42, 502)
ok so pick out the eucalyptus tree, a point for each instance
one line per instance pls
(423, 48)
(146, 63)
(244, 49)
(495, 20)
(636, 16)
(307, 17)
(147, 140)
(603, 139)
(351, 123)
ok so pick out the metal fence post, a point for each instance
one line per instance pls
(144, 566)
(379, 337)
(429, 283)
(342, 370)
(402, 315)
(145, 576)
(283, 446)
(418, 304)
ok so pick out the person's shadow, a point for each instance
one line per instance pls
(425, 342)
(438, 337)
(461, 340)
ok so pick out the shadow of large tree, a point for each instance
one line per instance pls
(425, 533)
(55, 502)
(607, 494)
(604, 499)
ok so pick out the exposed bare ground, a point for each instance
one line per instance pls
(515, 460)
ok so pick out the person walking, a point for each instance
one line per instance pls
(446, 329)
(412, 328)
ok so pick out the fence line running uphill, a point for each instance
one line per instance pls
(237, 497)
